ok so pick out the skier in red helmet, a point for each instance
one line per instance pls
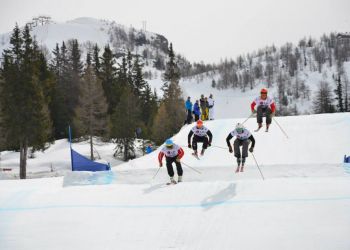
(265, 106)
(201, 134)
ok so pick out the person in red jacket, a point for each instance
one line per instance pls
(173, 153)
(264, 106)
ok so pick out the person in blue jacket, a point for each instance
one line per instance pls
(196, 111)
(149, 149)
(188, 106)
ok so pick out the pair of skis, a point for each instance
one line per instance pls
(266, 130)
(196, 156)
(172, 183)
(239, 169)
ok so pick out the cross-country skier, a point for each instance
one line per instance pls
(201, 134)
(173, 153)
(243, 138)
(265, 106)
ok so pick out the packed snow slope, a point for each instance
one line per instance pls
(303, 203)
(55, 161)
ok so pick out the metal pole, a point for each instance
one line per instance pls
(219, 147)
(191, 168)
(262, 176)
(70, 146)
(154, 176)
(247, 118)
(280, 127)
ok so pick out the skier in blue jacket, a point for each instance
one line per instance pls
(196, 111)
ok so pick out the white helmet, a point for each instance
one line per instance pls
(239, 128)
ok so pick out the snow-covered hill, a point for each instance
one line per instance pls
(91, 31)
(303, 203)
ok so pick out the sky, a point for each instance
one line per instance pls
(200, 30)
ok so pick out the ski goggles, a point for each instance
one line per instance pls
(239, 130)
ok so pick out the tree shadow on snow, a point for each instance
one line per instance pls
(219, 198)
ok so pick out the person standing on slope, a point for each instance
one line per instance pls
(265, 106)
(211, 107)
(203, 105)
(196, 111)
(188, 106)
(243, 139)
(173, 153)
(201, 134)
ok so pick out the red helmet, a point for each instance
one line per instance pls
(263, 91)
(199, 123)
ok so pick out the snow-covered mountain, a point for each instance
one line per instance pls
(303, 203)
(89, 31)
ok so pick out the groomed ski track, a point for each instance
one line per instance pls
(303, 203)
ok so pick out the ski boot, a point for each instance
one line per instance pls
(242, 166)
(202, 152)
(259, 127)
(267, 127)
(172, 180)
(179, 179)
(238, 164)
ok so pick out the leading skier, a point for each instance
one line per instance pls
(173, 153)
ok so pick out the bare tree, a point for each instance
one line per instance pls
(91, 113)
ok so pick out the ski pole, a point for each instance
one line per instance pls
(262, 176)
(154, 176)
(191, 168)
(218, 147)
(280, 127)
(247, 118)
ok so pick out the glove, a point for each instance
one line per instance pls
(189, 145)
(160, 164)
(230, 149)
(178, 159)
(209, 144)
(251, 149)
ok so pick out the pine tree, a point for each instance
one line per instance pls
(171, 113)
(139, 84)
(172, 72)
(125, 121)
(55, 64)
(339, 95)
(322, 102)
(26, 117)
(108, 76)
(59, 108)
(91, 113)
(129, 69)
(96, 60)
(75, 71)
(2, 132)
